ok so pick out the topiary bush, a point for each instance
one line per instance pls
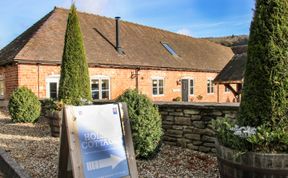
(74, 81)
(145, 123)
(264, 101)
(24, 106)
(265, 94)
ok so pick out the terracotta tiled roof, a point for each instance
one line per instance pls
(44, 41)
(234, 71)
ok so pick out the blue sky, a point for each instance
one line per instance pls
(197, 18)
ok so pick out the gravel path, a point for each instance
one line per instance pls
(35, 150)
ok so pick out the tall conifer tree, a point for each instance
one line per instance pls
(74, 81)
(265, 95)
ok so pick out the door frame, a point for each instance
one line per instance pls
(188, 91)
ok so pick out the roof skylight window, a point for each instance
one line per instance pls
(169, 49)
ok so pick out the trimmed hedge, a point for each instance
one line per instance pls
(145, 121)
(24, 106)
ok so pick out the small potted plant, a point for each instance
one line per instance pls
(53, 110)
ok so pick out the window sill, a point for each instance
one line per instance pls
(158, 95)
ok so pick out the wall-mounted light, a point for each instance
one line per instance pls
(134, 74)
(178, 82)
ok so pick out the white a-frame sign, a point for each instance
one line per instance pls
(96, 142)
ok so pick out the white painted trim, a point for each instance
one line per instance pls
(158, 78)
(189, 78)
(52, 79)
(100, 78)
(2, 78)
(193, 87)
(183, 78)
(212, 84)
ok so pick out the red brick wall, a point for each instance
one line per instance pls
(10, 73)
(28, 76)
(120, 80)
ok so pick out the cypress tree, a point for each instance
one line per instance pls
(264, 99)
(74, 81)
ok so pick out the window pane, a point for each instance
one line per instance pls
(191, 87)
(95, 94)
(53, 90)
(154, 91)
(95, 89)
(161, 83)
(95, 85)
(1, 88)
(105, 84)
(105, 95)
(169, 48)
(161, 91)
(210, 86)
(154, 83)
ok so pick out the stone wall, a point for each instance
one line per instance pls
(189, 124)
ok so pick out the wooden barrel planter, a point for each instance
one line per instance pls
(251, 164)
(55, 121)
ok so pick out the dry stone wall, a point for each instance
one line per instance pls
(189, 124)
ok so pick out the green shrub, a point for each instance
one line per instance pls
(264, 102)
(74, 82)
(24, 106)
(264, 139)
(226, 137)
(265, 94)
(145, 123)
(270, 141)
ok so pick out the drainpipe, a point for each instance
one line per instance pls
(136, 76)
(137, 79)
(218, 98)
(38, 76)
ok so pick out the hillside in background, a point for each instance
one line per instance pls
(237, 43)
(230, 41)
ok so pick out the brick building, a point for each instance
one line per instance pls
(161, 64)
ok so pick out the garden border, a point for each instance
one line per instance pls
(10, 168)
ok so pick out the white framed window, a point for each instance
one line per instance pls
(191, 86)
(210, 86)
(52, 86)
(158, 86)
(100, 86)
(2, 86)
